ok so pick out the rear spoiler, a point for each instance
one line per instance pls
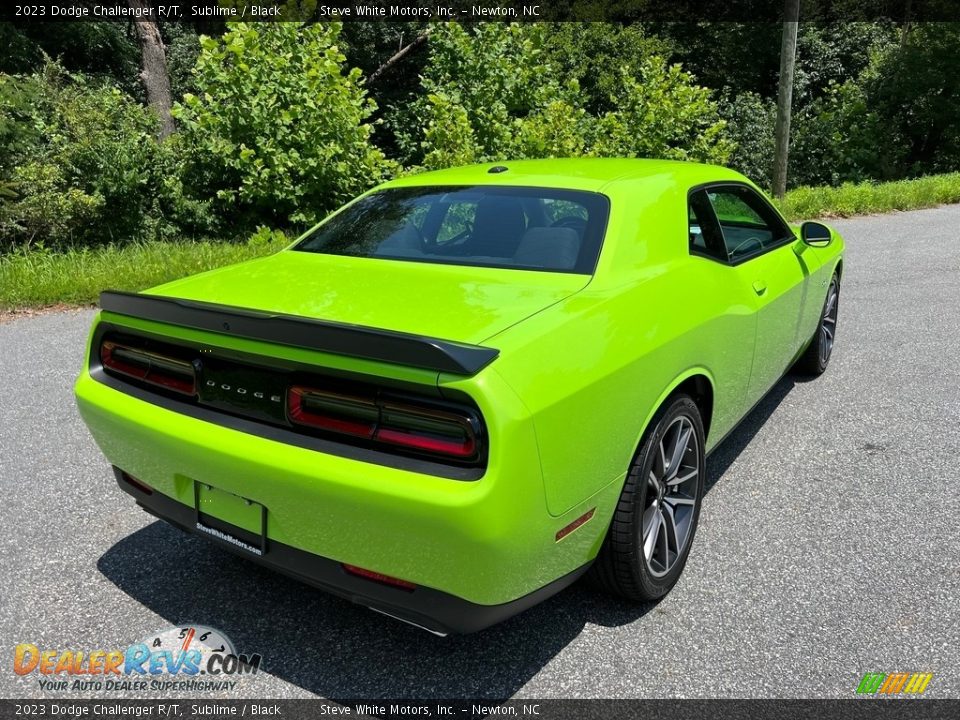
(332, 337)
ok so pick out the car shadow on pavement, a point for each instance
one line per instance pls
(332, 647)
(729, 450)
(339, 650)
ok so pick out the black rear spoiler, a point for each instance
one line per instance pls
(332, 337)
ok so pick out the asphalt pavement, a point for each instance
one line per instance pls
(828, 543)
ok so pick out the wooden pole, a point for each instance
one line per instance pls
(788, 57)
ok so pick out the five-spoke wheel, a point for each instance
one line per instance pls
(828, 323)
(817, 355)
(653, 526)
(671, 497)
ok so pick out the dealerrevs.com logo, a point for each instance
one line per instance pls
(190, 658)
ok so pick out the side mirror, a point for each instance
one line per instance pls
(816, 234)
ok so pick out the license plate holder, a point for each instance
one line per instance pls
(230, 518)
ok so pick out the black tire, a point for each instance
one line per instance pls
(816, 357)
(622, 567)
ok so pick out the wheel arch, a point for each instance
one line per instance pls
(696, 382)
(619, 566)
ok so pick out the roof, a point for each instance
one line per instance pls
(574, 173)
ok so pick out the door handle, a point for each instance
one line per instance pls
(759, 287)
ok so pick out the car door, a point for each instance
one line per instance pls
(729, 334)
(762, 252)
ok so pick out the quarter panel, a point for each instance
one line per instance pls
(592, 368)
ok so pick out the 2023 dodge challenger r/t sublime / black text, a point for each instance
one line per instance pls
(467, 388)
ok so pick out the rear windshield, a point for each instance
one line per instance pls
(509, 227)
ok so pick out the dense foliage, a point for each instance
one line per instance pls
(496, 92)
(279, 123)
(78, 158)
(278, 132)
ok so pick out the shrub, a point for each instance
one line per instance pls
(20, 132)
(833, 140)
(597, 55)
(277, 132)
(492, 93)
(750, 122)
(47, 210)
(913, 88)
(477, 85)
(80, 161)
(661, 113)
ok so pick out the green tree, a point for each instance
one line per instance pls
(750, 119)
(914, 89)
(492, 92)
(476, 85)
(835, 140)
(102, 50)
(79, 156)
(368, 45)
(596, 55)
(660, 112)
(277, 132)
(828, 55)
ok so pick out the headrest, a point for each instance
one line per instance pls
(497, 226)
(549, 248)
(406, 238)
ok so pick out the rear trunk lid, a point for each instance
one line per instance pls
(449, 302)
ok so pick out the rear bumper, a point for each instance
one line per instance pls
(478, 551)
(432, 610)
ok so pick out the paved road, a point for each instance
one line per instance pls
(828, 544)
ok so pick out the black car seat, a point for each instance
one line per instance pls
(498, 225)
(549, 248)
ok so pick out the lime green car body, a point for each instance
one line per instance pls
(583, 363)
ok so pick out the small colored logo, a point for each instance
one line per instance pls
(155, 662)
(894, 683)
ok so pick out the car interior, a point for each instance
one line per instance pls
(494, 230)
(740, 219)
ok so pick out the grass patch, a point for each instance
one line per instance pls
(805, 203)
(39, 278)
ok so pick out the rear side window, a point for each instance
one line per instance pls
(520, 228)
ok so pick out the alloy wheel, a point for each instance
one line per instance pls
(672, 495)
(828, 324)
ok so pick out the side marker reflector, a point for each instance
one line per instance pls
(379, 577)
(579, 522)
(139, 485)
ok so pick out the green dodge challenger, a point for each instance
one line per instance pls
(467, 388)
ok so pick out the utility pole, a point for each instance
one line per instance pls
(788, 57)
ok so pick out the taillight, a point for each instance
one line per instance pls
(150, 367)
(423, 429)
(329, 411)
(429, 430)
